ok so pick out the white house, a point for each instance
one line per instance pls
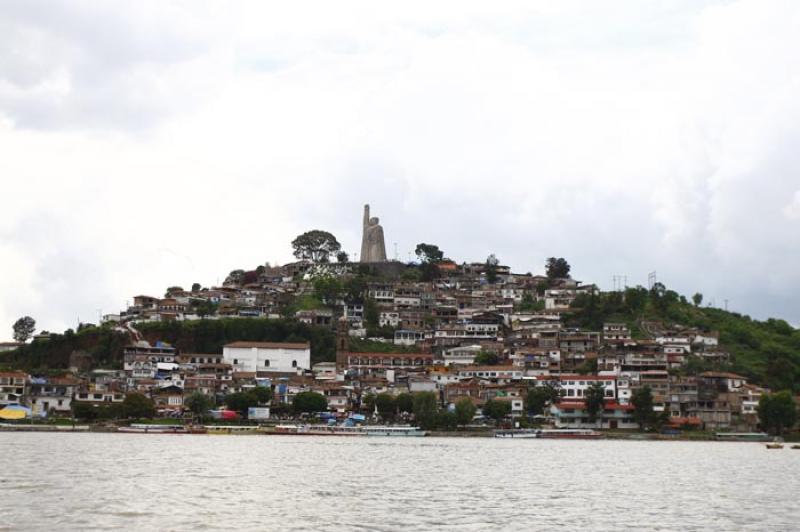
(271, 357)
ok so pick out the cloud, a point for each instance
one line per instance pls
(168, 147)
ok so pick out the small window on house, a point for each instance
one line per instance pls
(266, 363)
(235, 361)
(294, 363)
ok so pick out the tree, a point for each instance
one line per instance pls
(138, 406)
(328, 288)
(540, 396)
(557, 268)
(198, 404)
(172, 290)
(446, 420)
(777, 411)
(491, 268)
(425, 409)
(405, 403)
(486, 358)
(262, 394)
(428, 253)
(595, 397)
(23, 328)
(240, 402)
(642, 400)
(371, 314)
(368, 403)
(316, 246)
(697, 299)
(342, 256)
(465, 411)
(496, 410)
(309, 402)
(196, 287)
(386, 405)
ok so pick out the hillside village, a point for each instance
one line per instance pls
(511, 344)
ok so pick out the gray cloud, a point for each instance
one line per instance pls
(154, 148)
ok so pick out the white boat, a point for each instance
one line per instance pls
(344, 430)
(141, 428)
(406, 431)
(517, 433)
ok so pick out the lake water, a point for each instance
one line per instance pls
(158, 482)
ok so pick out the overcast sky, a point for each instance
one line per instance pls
(144, 145)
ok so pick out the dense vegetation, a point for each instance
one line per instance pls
(767, 352)
(105, 344)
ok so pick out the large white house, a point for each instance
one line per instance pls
(272, 357)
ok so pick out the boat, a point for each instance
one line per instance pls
(741, 436)
(226, 430)
(577, 434)
(517, 433)
(775, 445)
(795, 446)
(319, 430)
(142, 428)
(348, 430)
(403, 430)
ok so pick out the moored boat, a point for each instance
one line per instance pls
(404, 431)
(517, 433)
(775, 445)
(741, 436)
(578, 434)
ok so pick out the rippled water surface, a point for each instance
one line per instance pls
(133, 481)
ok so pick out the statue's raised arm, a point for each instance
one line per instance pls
(366, 215)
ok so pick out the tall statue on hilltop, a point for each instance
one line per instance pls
(373, 248)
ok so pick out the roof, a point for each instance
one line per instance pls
(721, 375)
(577, 377)
(269, 345)
(392, 355)
(490, 368)
(14, 374)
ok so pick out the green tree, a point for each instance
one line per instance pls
(198, 404)
(777, 412)
(541, 396)
(309, 402)
(642, 400)
(425, 409)
(386, 405)
(428, 253)
(491, 268)
(316, 246)
(138, 406)
(23, 328)
(557, 268)
(496, 409)
(342, 257)
(405, 403)
(196, 287)
(594, 397)
(368, 403)
(240, 402)
(697, 299)
(465, 411)
(371, 314)
(262, 394)
(446, 420)
(328, 288)
(486, 358)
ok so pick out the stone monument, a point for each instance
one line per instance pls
(373, 247)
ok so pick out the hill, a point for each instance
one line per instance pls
(767, 352)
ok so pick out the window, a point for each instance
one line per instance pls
(235, 361)
(294, 363)
(266, 363)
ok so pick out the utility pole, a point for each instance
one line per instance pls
(651, 279)
(726, 305)
(395, 252)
